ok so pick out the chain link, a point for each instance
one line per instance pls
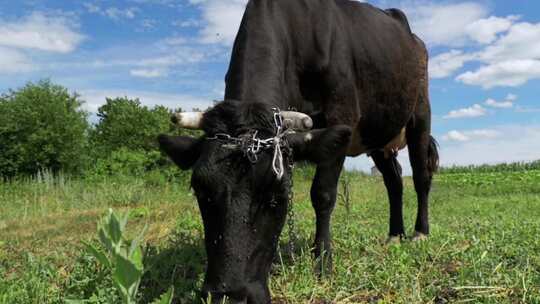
(290, 208)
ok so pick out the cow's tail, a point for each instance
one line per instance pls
(433, 156)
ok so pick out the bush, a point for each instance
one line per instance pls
(126, 124)
(42, 126)
(125, 138)
(126, 162)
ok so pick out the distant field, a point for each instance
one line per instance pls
(484, 246)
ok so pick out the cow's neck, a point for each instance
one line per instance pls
(256, 72)
(254, 76)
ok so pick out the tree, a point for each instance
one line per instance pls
(42, 126)
(125, 138)
(125, 123)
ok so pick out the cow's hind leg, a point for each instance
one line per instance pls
(323, 197)
(391, 171)
(424, 159)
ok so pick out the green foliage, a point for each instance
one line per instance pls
(125, 139)
(42, 126)
(490, 182)
(122, 257)
(499, 168)
(483, 246)
(34, 286)
(165, 298)
(97, 288)
(126, 124)
(125, 161)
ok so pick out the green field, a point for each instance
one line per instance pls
(484, 246)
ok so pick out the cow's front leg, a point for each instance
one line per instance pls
(323, 198)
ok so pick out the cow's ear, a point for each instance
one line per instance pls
(321, 145)
(183, 150)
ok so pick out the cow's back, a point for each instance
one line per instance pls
(388, 64)
(287, 50)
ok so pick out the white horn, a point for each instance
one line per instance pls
(297, 121)
(189, 120)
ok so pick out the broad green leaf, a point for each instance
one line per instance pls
(98, 254)
(123, 291)
(123, 220)
(105, 240)
(135, 242)
(132, 291)
(137, 258)
(166, 298)
(115, 230)
(126, 272)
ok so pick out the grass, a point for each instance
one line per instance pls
(484, 246)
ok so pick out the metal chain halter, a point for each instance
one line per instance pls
(290, 212)
(251, 145)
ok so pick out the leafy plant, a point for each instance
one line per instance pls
(123, 257)
(125, 161)
(42, 127)
(126, 123)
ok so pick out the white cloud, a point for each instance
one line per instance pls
(169, 3)
(474, 111)
(148, 73)
(511, 57)
(222, 19)
(444, 24)
(187, 23)
(149, 24)
(96, 98)
(92, 8)
(511, 97)
(454, 24)
(445, 64)
(499, 104)
(116, 13)
(41, 32)
(512, 144)
(455, 136)
(195, 2)
(485, 31)
(510, 61)
(176, 57)
(463, 136)
(522, 42)
(13, 61)
(175, 40)
(510, 73)
(508, 102)
(112, 12)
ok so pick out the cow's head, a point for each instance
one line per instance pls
(243, 202)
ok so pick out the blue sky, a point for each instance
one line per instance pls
(484, 66)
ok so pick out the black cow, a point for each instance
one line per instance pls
(360, 73)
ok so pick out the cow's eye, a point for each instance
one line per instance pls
(205, 200)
